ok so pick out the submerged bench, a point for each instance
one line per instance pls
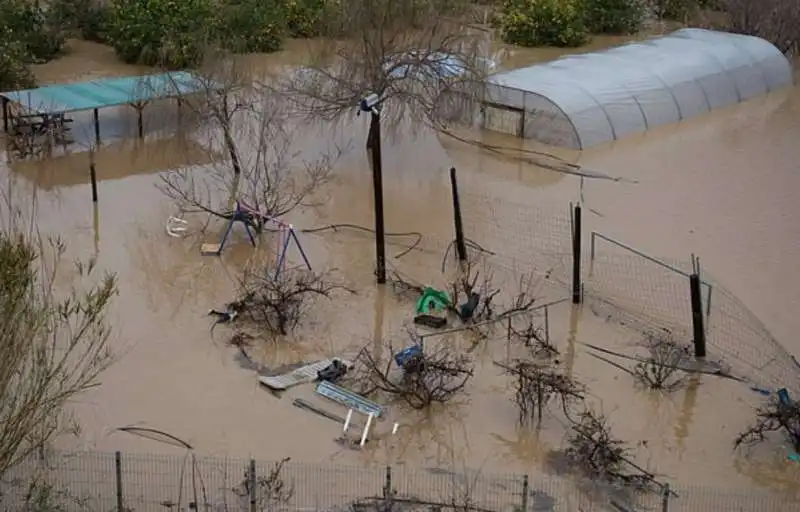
(349, 399)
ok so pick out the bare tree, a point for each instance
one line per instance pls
(279, 302)
(53, 339)
(594, 450)
(271, 491)
(775, 416)
(662, 370)
(250, 140)
(421, 60)
(434, 375)
(537, 384)
(777, 21)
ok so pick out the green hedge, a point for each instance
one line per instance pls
(544, 22)
(567, 23)
(250, 25)
(31, 27)
(619, 17)
(303, 17)
(171, 33)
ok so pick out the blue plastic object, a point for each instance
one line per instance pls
(783, 397)
(402, 357)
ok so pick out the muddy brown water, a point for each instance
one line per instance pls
(722, 186)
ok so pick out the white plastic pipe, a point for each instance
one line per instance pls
(394, 428)
(366, 430)
(347, 421)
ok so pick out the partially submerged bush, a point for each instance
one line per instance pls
(172, 34)
(14, 73)
(304, 17)
(32, 27)
(615, 16)
(251, 25)
(544, 22)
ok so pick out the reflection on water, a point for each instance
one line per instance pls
(721, 186)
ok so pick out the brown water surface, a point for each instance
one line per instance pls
(722, 186)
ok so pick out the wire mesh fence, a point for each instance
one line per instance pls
(623, 283)
(102, 482)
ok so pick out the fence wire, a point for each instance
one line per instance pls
(100, 482)
(622, 283)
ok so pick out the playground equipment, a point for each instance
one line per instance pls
(246, 214)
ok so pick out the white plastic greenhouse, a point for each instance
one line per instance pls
(580, 101)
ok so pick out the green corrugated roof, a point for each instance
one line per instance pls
(107, 92)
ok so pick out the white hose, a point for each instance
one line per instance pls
(176, 227)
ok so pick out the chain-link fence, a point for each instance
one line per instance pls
(116, 482)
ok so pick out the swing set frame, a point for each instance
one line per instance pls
(286, 234)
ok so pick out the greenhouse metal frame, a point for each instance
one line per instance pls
(580, 101)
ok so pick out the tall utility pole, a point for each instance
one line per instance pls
(371, 104)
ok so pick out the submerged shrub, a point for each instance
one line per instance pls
(615, 16)
(251, 25)
(170, 33)
(304, 17)
(32, 27)
(544, 22)
(14, 72)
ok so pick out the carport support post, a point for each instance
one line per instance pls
(139, 121)
(93, 174)
(5, 115)
(96, 115)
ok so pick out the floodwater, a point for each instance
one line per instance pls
(721, 187)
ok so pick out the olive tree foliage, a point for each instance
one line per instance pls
(53, 341)
(418, 57)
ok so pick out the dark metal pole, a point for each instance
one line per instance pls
(118, 467)
(576, 256)
(252, 480)
(5, 115)
(374, 141)
(96, 126)
(461, 246)
(698, 329)
(93, 174)
(140, 122)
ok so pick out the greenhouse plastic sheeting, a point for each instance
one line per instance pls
(606, 95)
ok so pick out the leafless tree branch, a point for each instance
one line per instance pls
(418, 57)
(250, 142)
(436, 375)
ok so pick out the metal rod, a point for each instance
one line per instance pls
(5, 114)
(640, 253)
(96, 116)
(93, 176)
(422, 337)
(698, 331)
(576, 257)
(118, 467)
(461, 246)
(547, 324)
(140, 122)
